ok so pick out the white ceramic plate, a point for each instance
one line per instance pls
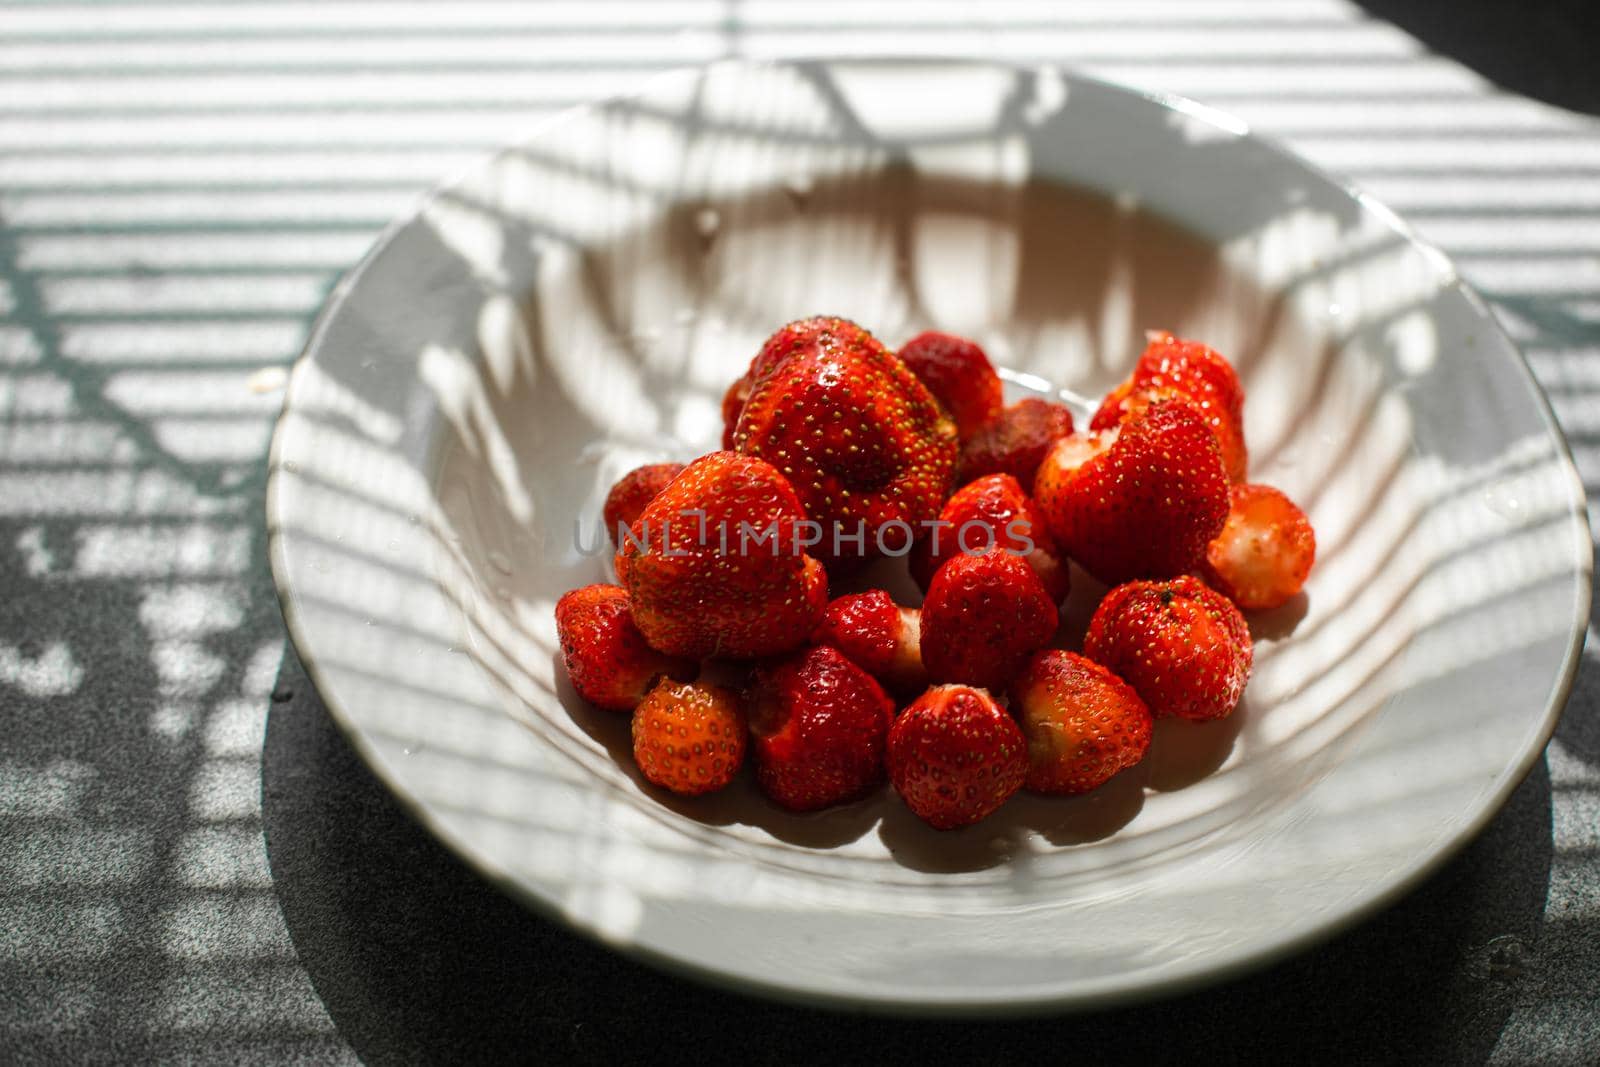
(575, 307)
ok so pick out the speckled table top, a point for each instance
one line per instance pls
(194, 866)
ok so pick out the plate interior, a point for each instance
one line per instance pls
(575, 308)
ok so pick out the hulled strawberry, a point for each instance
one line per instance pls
(714, 564)
(689, 737)
(991, 512)
(864, 443)
(1083, 723)
(1182, 645)
(1140, 501)
(633, 492)
(818, 724)
(959, 375)
(1172, 368)
(1015, 441)
(1265, 550)
(955, 756)
(878, 635)
(982, 618)
(606, 656)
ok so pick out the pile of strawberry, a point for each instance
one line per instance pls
(916, 454)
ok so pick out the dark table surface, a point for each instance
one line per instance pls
(194, 866)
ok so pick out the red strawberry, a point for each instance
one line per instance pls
(633, 491)
(818, 724)
(1265, 550)
(795, 336)
(712, 565)
(878, 635)
(689, 738)
(1143, 501)
(959, 376)
(1083, 723)
(1015, 441)
(982, 618)
(1173, 368)
(991, 511)
(955, 756)
(1182, 645)
(606, 656)
(863, 442)
(732, 407)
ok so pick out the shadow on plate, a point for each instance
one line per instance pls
(418, 959)
(1181, 753)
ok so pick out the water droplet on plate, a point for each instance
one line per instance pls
(1335, 310)
(1502, 503)
(290, 465)
(499, 561)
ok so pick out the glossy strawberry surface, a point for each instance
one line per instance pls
(715, 567)
(689, 737)
(1265, 550)
(818, 725)
(1015, 441)
(607, 659)
(632, 494)
(991, 512)
(982, 618)
(1083, 723)
(955, 756)
(959, 375)
(868, 450)
(1141, 501)
(1182, 645)
(878, 635)
(1172, 368)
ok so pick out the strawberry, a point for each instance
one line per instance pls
(818, 724)
(955, 756)
(795, 335)
(606, 656)
(1140, 501)
(1171, 368)
(689, 737)
(633, 491)
(991, 511)
(1083, 723)
(1182, 645)
(1015, 441)
(959, 375)
(1265, 550)
(732, 406)
(982, 618)
(714, 564)
(879, 636)
(868, 450)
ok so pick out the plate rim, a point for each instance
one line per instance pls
(1175, 980)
